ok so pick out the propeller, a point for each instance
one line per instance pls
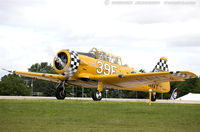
(61, 64)
(66, 62)
(61, 60)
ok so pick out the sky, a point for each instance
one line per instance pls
(140, 31)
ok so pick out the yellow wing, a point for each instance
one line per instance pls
(139, 79)
(43, 76)
(118, 81)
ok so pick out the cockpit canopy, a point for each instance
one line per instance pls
(99, 54)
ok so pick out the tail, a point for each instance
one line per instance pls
(161, 66)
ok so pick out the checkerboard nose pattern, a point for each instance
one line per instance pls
(161, 65)
(74, 64)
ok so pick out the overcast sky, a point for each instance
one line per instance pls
(33, 31)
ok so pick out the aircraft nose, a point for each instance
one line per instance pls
(66, 62)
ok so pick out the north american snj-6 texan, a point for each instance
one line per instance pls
(99, 70)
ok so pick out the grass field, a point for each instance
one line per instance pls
(69, 115)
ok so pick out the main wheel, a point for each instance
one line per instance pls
(153, 96)
(60, 93)
(96, 95)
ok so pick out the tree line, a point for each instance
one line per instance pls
(12, 84)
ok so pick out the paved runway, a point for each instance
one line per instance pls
(104, 99)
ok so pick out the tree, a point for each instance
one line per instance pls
(190, 85)
(76, 91)
(129, 94)
(13, 85)
(48, 88)
(43, 67)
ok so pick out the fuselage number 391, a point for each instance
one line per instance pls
(105, 68)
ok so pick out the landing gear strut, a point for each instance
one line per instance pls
(60, 91)
(152, 96)
(97, 93)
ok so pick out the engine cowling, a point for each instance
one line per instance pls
(66, 62)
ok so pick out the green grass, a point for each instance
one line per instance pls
(69, 115)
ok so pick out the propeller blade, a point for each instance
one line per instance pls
(60, 61)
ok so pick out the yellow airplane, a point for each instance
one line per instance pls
(100, 70)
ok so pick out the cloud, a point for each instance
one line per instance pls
(33, 31)
(161, 14)
(12, 12)
(186, 41)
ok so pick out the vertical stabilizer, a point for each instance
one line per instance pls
(161, 66)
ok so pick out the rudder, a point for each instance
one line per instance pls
(161, 66)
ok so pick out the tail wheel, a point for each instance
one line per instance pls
(96, 95)
(153, 96)
(60, 91)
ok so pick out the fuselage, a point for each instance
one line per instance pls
(92, 66)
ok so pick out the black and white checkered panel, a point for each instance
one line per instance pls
(161, 66)
(185, 76)
(74, 64)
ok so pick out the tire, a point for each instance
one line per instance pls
(60, 94)
(153, 96)
(96, 95)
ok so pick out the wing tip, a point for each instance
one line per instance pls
(184, 74)
(6, 70)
